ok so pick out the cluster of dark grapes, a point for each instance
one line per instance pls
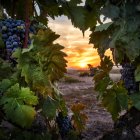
(64, 124)
(13, 34)
(127, 75)
(39, 124)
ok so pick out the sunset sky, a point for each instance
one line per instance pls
(79, 51)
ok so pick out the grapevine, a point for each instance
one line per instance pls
(121, 34)
(13, 34)
(64, 124)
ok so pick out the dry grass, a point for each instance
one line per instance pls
(69, 79)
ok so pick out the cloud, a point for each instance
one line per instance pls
(77, 47)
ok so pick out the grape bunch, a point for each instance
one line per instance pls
(13, 34)
(64, 124)
(39, 124)
(127, 75)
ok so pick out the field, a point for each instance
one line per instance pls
(77, 89)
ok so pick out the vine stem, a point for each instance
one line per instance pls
(27, 24)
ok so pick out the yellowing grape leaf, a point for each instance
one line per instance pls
(79, 118)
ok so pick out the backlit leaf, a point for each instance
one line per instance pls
(18, 105)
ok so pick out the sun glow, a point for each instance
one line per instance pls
(79, 51)
(83, 65)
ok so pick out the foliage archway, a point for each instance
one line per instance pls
(122, 35)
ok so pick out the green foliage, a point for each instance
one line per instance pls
(137, 73)
(122, 36)
(110, 11)
(79, 118)
(18, 105)
(136, 100)
(50, 107)
(115, 99)
(78, 18)
(5, 69)
(5, 84)
(101, 38)
(43, 63)
(28, 88)
(113, 95)
(26, 135)
(103, 27)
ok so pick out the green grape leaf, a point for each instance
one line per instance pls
(5, 84)
(50, 107)
(135, 100)
(74, 2)
(102, 27)
(28, 96)
(45, 37)
(77, 16)
(111, 103)
(6, 70)
(115, 100)
(110, 11)
(137, 73)
(43, 63)
(101, 40)
(102, 84)
(50, 8)
(122, 96)
(17, 104)
(24, 115)
(106, 64)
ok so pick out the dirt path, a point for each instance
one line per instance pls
(99, 120)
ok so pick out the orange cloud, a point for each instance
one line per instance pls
(79, 51)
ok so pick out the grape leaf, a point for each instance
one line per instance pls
(4, 85)
(102, 84)
(28, 96)
(43, 62)
(74, 2)
(111, 103)
(135, 100)
(102, 27)
(115, 100)
(24, 115)
(45, 37)
(79, 117)
(49, 107)
(77, 16)
(17, 103)
(101, 40)
(110, 11)
(6, 70)
(137, 73)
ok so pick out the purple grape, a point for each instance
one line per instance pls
(13, 34)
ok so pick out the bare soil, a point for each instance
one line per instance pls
(99, 120)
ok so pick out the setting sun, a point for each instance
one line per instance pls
(83, 65)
